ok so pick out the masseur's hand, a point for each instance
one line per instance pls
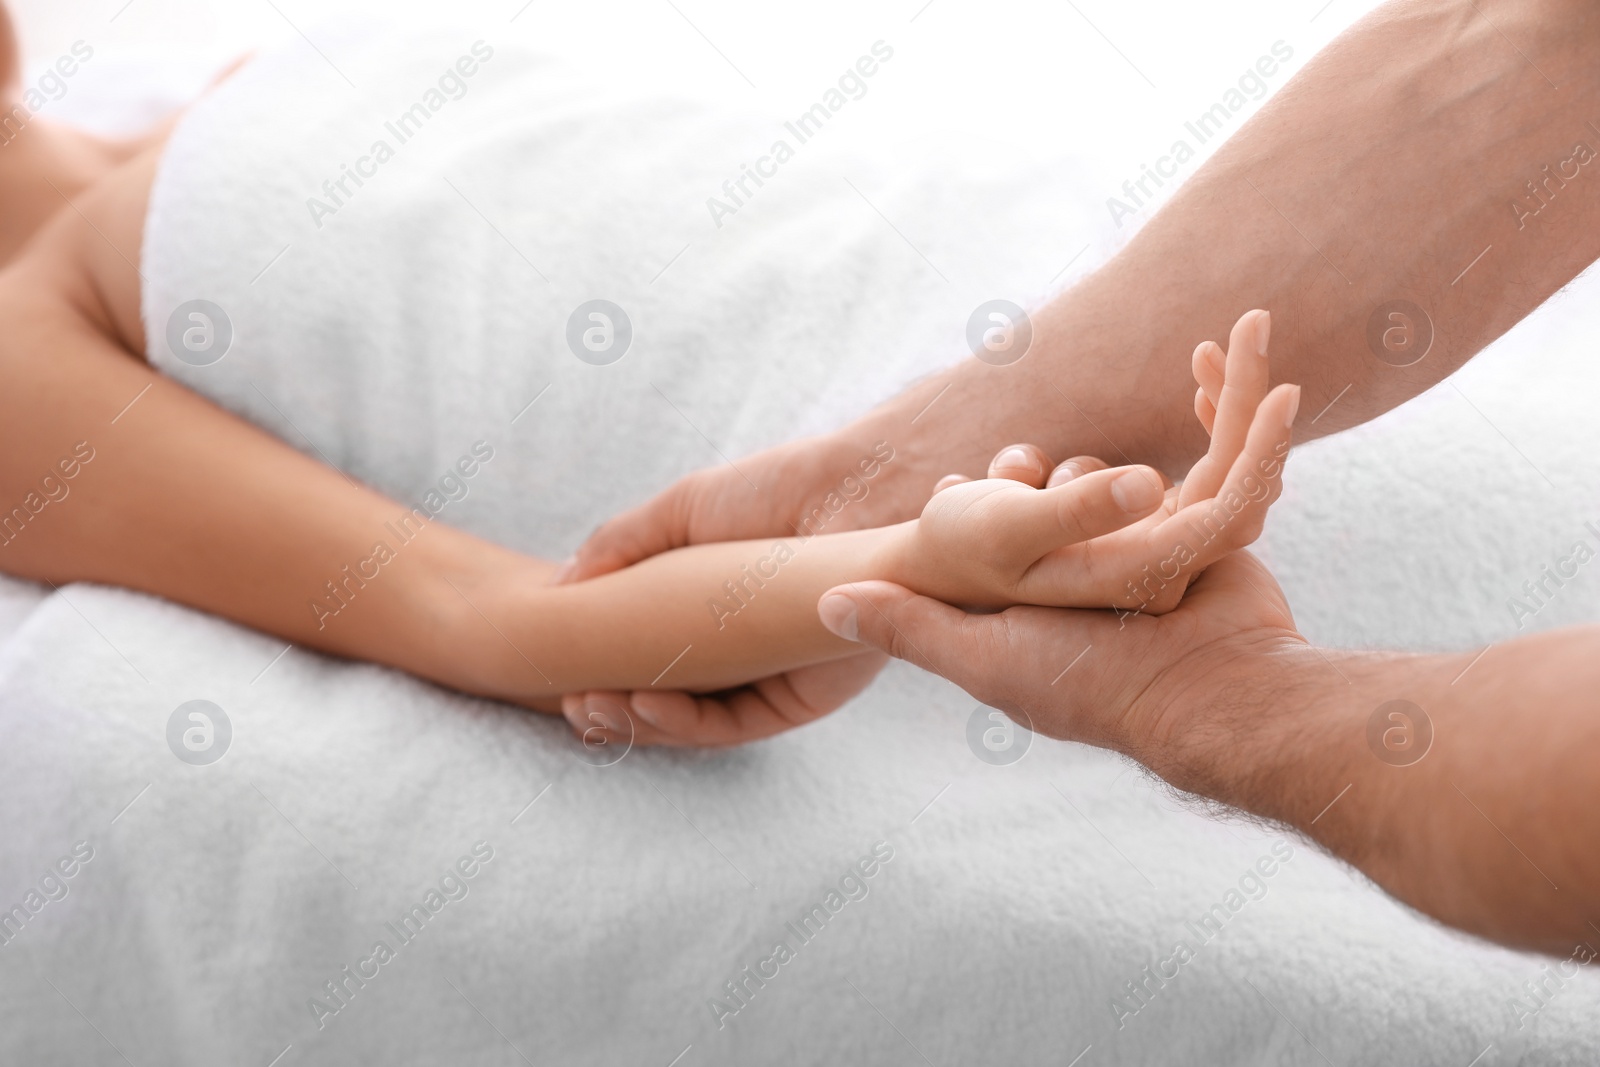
(1128, 671)
(850, 480)
(773, 705)
(996, 542)
(1115, 680)
(819, 485)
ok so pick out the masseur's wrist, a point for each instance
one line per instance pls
(1070, 395)
(1231, 724)
(876, 471)
(1282, 730)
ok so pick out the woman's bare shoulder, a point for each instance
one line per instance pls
(85, 260)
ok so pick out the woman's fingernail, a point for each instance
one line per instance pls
(1136, 491)
(1294, 409)
(838, 613)
(1016, 457)
(1263, 331)
(1063, 474)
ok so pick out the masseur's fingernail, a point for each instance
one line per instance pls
(639, 704)
(1016, 458)
(1063, 474)
(1137, 490)
(1294, 408)
(565, 571)
(838, 613)
(1263, 331)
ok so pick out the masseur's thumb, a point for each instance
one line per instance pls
(918, 629)
(647, 530)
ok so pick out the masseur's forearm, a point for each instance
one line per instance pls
(1380, 172)
(1491, 829)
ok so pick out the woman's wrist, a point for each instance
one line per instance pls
(455, 623)
(889, 554)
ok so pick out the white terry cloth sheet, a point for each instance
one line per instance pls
(584, 914)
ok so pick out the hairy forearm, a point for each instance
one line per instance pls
(1381, 172)
(1463, 786)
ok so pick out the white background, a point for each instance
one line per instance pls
(1011, 76)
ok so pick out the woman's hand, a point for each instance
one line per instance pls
(1063, 539)
(798, 481)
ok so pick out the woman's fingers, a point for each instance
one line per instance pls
(1208, 365)
(1204, 410)
(1245, 382)
(1024, 463)
(1148, 567)
(1023, 525)
(1027, 464)
(1233, 518)
(1076, 467)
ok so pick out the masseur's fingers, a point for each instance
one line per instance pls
(659, 717)
(714, 720)
(947, 481)
(1245, 382)
(1021, 463)
(1023, 524)
(1013, 660)
(653, 527)
(918, 629)
(752, 712)
(603, 723)
(1076, 467)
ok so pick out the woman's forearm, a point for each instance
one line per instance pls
(171, 495)
(700, 618)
